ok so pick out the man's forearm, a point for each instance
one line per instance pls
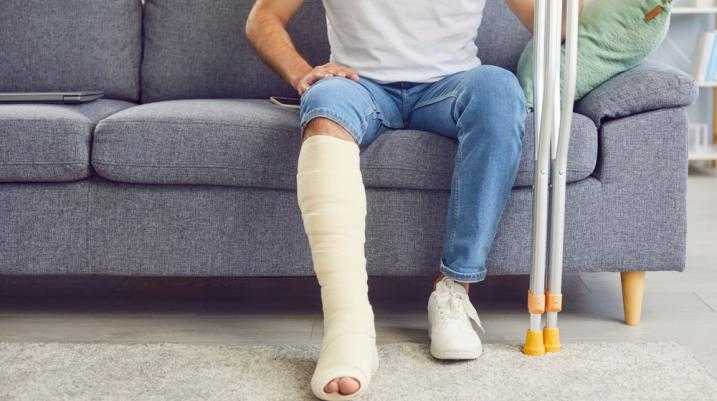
(267, 33)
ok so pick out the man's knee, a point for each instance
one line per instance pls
(493, 91)
(335, 107)
(324, 126)
(494, 95)
(493, 80)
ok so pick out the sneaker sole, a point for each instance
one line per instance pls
(456, 354)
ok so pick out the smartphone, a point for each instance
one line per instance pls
(286, 102)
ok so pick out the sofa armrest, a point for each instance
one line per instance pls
(642, 169)
(644, 88)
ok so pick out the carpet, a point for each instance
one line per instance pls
(183, 372)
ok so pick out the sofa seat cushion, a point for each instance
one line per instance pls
(49, 142)
(253, 143)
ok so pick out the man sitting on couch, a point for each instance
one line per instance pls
(395, 64)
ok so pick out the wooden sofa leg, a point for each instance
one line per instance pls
(633, 288)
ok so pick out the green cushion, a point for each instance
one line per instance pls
(614, 36)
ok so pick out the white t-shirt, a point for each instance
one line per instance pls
(404, 40)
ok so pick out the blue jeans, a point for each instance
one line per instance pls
(483, 109)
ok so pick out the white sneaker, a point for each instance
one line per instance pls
(452, 320)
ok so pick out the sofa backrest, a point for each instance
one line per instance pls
(70, 45)
(198, 48)
(501, 36)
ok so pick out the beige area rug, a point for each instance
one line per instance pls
(182, 372)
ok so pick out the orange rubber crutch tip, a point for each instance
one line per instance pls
(551, 337)
(534, 345)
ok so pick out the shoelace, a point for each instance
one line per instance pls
(458, 303)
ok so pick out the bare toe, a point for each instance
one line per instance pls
(332, 387)
(348, 385)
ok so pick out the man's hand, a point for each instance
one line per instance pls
(324, 71)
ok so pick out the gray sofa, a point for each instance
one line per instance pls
(185, 169)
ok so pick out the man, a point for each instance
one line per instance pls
(395, 64)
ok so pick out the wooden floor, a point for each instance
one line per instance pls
(678, 307)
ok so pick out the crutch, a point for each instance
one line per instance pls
(552, 137)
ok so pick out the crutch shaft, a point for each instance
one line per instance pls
(548, 124)
(559, 164)
(551, 333)
(546, 43)
(539, 15)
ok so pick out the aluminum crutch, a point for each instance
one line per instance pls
(554, 297)
(552, 129)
